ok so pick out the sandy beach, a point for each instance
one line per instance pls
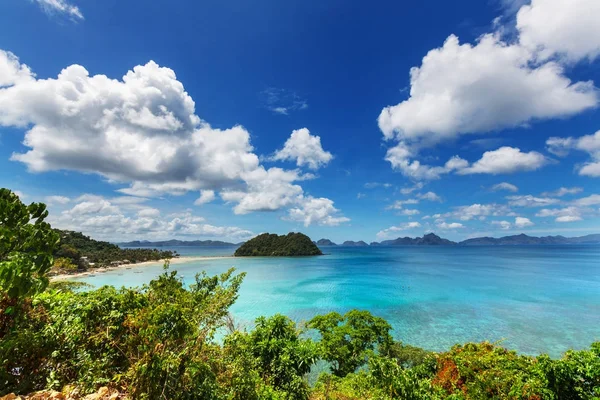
(173, 261)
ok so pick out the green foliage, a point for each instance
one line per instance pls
(408, 356)
(75, 245)
(348, 341)
(292, 244)
(481, 371)
(64, 264)
(153, 341)
(282, 357)
(26, 246)
(158, 341)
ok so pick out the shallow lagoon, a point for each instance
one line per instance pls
(537, 299)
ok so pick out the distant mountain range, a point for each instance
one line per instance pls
(175, 242)
(524, 239)
(432, 239)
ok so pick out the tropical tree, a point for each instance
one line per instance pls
(347, 341)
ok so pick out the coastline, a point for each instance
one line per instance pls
(173, 261)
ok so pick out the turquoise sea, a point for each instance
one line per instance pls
(536, 299)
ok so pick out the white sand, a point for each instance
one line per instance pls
(173, 261)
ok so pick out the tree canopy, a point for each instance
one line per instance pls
(272, 245)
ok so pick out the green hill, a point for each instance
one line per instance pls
(271, 245)
(83, 252)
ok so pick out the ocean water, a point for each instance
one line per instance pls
(535, 299)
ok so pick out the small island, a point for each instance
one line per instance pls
(272, 245)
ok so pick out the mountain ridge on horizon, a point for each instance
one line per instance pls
(520, 239)
(430, 239)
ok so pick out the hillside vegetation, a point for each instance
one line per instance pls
(159, 342)
(271, 245)
(79, 252)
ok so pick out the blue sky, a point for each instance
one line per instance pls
(341, 119)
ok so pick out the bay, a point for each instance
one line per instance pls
(534, 299)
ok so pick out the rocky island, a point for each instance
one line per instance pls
(272, 245)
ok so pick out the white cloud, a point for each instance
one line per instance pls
(305, 149)
(568, 218)
(318, 211)
(531, 201)
(522, 222)
(373, 185)
(466, 88)
(479, 211)
(57, 199)
(402, 159)
(452, 225)
(392, 230)
(504, 225)
(282, 101)
(360, 195)
(409, 212)
(12, 71)
(430, 196)
(563, 191)
(569, 28)
(60, 7)
(567, 214)
(493, 84)
(505, 186)
(102, 218)
(206, 196)
(588, 143)
(142, 131)
(399, 204)
(505, 160)
(267, 190)
(589, 200)
(409, 190)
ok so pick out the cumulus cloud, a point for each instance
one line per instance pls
(588, 143)
(63, 7)
(12, 71)
(410, 212)
(492, 84)
(567, 214)
(505, 186)
(563, 191)
(267, 190)
(569, 28)
(393, 230)
(431, 196)
(142, 131)
(105, 219)
(305, 149)
(57, 199)
(522, 222)
(318, 211)
(206, 196)
(504, 225)
(465, 88)
(592, 200)
(451, 225)
(505, 160)
(479, 211)
(399, 204)
(531, 201)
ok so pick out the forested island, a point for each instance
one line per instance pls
(160, 342)
(272, 245)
